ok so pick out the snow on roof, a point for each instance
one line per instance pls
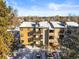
(27, 24)
(57, 24)
(73, 24)
(9, 30)
(17, 29)
(45, 25)
(50, 25)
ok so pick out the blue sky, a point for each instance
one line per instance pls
(45, 7)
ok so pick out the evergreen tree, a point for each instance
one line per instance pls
(6, 14)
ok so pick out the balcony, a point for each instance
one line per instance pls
(30, 36)
(30, 33)
(51, 40)
(51, 34)
(42, 33)
(38, 42)
(55, 44)
(37, 36)
(37, 33)
(68, 32)
(22, 41)
(61, 32)
(37, 30)
(61, 36)
(41, 36)
(30, 39)
(51, 37)
(51, 31)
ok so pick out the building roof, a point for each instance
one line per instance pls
(52, 24)
(72, 24)
(57, 24)
(17, 29)
(46, 25)
(43, 24)
(27, 24)
(49, 25)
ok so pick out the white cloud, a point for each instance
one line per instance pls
(12, 3)
(50, 10)
(66, 7)
(44, 12)
(53, 6)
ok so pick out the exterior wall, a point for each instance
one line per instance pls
(56, 36)
(24, 35)
(44, 36)
(40, 36)
(54, 41)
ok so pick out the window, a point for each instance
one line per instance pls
(22, 41)
(51, 30)
(30, 33)
(51, 37)
(69, 31)
(51, 44)
(41, 36)
(39, 29)
(61, 36)
(21, 29)
(30, 39)
(61, 31)
(34, 36)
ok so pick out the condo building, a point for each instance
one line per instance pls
(69, 34)
(33, 33)
(45, 33)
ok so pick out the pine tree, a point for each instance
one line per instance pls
(6, 38)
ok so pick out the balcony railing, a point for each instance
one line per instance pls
(51, 34)
(30, 39)
(51, 40)
(31, 33)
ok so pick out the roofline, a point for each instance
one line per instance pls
(43, 27)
